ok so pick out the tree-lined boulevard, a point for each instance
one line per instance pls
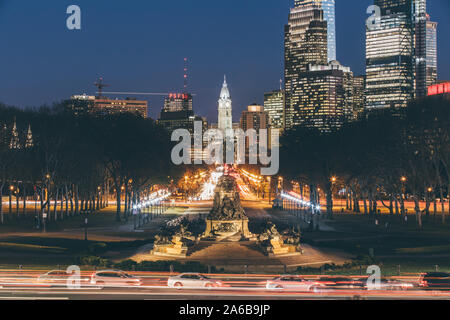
(77, 190)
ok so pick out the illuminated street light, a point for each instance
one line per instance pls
(403, 179)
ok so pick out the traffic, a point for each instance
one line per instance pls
(309, 286)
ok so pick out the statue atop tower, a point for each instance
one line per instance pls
(225, 121)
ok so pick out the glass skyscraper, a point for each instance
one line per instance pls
(389, 61)
(431, 53)
(305, 45)
(401, 59)
(329, 15)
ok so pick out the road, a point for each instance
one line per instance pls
(23, 285)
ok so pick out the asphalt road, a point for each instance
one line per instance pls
(24, 286)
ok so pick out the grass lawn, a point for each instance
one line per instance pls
(400, 244)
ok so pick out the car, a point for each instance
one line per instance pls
(295, 283)
(192, 280)
(340, 283)
(435, 281)
(389, 284)
(58, 277)
(114, 278)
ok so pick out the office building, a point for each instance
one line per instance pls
(325, 97)
(401, 54)
(359, 98)
(390, 61)
(86, 104)
(274, 106)
(329, 15)
(178, 113)
(305, 44)
(255, 117)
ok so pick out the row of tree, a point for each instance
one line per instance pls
(78, 161)
(382, 157)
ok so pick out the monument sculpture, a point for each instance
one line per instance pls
(172, 245)
(276, 244)
(227, 219)
(226, 222)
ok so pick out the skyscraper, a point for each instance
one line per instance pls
(305, 44)
(359, 100)
(390, 63)
(225, 115)
(326, 97)
(274, 106)
(177, 113)
(431, 53)
(400, 53)
(329, 15)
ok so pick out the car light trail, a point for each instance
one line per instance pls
(300, 201)
(209, 186)
(151, 202)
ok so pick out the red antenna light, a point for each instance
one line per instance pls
(185, 75)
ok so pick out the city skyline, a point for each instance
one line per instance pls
(230, 153)
(247, 78)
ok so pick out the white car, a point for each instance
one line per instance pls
(58, 277)
(114, 278)
(294, 283)
(387, 284)
(192, 280)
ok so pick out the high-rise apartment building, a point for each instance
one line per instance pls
(329, 15)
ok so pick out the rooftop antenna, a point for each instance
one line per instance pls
(281, 84)
(185, 75)
(100, 85)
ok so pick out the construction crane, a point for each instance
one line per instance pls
(100, 85)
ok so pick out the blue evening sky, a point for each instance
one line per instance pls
(139, 45)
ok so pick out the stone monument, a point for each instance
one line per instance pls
(227, 219)
(276, 244)
(172, 246)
